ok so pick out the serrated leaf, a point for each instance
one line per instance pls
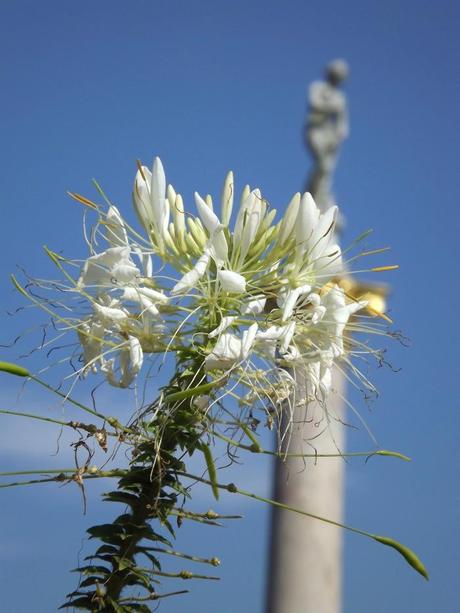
(155, 562)
(122, 497)
(106, 549)
(153, 536)
(90, 581)
(108, 557)
(92, 570)
(83, 603)
(167, 524)
(104, 530)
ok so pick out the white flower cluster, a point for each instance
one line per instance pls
(250, 302)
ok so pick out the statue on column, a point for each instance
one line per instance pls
(327, 128)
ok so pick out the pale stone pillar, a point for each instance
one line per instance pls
(304, 571)
(306, 555)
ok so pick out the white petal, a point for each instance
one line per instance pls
(251, 224)
(115, 228)
(109, 314)
(255, 306)
(232, 281)
(314, 299)
(272, 333)
(224, 324)
(226, 353)
(329, 263)
(291, 299)
(108, 369)
(220, 248)
(136, 355)
(98, 269)
(288, 333)
(324, 233)
(289, 219)
(249, 337)
(158, 195)
(154, 295)
(179, 215)
(134, 294)
(190, 278)
(124, 272)
(208, 217)
(141, 198)
(307, 220)
(91, 336)
(227, 199)
(318, 314)
(247, 202)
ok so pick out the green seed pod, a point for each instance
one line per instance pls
(14, 369)
(211, 469)
(410, 557)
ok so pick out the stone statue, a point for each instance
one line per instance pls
(327, 128)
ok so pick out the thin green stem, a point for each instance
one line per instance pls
(411, 558)
(183, 574)
(231, 487)
(186, 556)
(354, 454)
(32, 416)
(68, 398)
(53, 471)
(151, 597)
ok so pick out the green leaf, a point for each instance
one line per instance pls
(92, 570)
(193, 391)
(99, 556)
(137, 577)
(105, 549)
(123, 563)
(90, 581)
(14, 369)
(117, 607)
(411, 558)
(155, 562)
(167, 524)
(122, 497)
(211, 469)
(83, 603)
(105, 531)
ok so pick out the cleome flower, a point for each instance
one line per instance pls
(247, 304)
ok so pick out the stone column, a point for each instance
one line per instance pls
(305, 564)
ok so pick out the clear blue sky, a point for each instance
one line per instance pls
(88, 87)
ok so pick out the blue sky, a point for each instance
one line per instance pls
(209, 86)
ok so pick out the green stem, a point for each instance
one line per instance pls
(183, 574)
(178, 554)
(69, 398)
(151, 597)
(354, 454)
(32, 416)
(411, 558)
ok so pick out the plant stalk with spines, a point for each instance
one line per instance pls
(151, 489)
